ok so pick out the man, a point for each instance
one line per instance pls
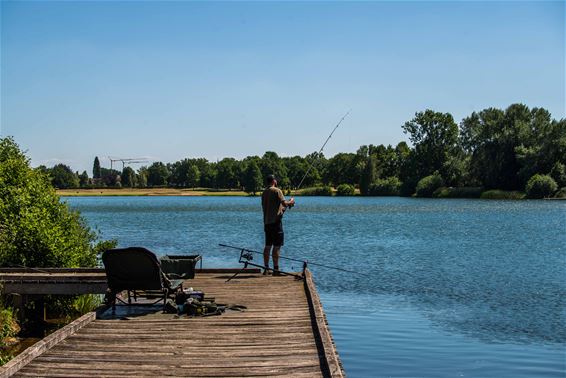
(274, 205)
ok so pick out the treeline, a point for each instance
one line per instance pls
(515, 149)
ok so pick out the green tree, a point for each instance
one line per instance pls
(296, 168)
(389, 186)
(63, 177)
(345, 190)
(83, 180)
(427, 186)
(141, 177)
(36, 228)
(540, 186)
(96, 168)
(508, 147)
(253, 179)
(193, 176)
(319, 163)
(157, 174)
(128, 177)
(558, 173)
(271, 163)
(435, 138)
(341, 169)
(109, 177)
(227, 173)
(369, 175)
(207, 173)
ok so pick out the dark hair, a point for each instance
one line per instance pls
(269, 179)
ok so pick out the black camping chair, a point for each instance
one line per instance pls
(136, 269)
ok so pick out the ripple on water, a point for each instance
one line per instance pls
(454, 287)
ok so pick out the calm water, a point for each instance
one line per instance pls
(457, 287)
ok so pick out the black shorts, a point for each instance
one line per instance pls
(274, 234)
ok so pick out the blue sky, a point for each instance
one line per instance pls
(169, 80)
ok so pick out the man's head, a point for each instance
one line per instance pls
(270, 180)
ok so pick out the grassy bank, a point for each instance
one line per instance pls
(109, 192)
(147, 192)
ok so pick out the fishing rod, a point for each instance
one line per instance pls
(304, 262)
(322, 148)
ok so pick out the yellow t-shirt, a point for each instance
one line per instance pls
(272, 200)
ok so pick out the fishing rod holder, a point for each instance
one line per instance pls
(246, 256)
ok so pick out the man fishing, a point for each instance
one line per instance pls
(274, 204)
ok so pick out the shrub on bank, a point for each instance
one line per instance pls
(38, 230)
(558, 173)
(9, 328)
(390, 186)
(502, 194)
(427, 186)
(561, 193)
(462, 192)
(540, 186)
(345, 190)
(317, 191)
(86, 303)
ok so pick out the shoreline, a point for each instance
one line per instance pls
(172, 192)
(160, 192)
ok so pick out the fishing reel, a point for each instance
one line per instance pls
(245, 256)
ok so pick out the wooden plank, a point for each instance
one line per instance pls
(45, 288)
(52, 270)
(172, 371)
(228, 270)
(43, 345)
(278, 335)
(321, 328)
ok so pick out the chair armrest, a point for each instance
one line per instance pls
(176, 284)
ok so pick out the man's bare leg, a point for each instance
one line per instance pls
(275, 255)
(266, 250)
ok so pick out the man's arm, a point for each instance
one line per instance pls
(284, 202)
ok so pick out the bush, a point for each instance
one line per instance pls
(502, 194)
(37, 229)
(558, 173)
(9, 328)
(390, 186)
(317, 191)
(540, 186)
(86, 303)
(462, 192)
(561, 193)
(427, 185)
(345, 190)
(8, 325)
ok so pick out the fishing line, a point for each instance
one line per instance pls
(322, 148)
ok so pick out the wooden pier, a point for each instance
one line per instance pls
(283, 332)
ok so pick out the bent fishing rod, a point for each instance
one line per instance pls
(322, 148)
(304, 262)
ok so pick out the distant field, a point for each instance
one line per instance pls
(146, 192)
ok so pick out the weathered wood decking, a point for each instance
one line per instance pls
(283, 332)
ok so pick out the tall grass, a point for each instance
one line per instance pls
(502, 194)
(317, 191)
(462, 192)
(86, 303)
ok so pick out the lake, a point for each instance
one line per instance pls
(471, 288)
